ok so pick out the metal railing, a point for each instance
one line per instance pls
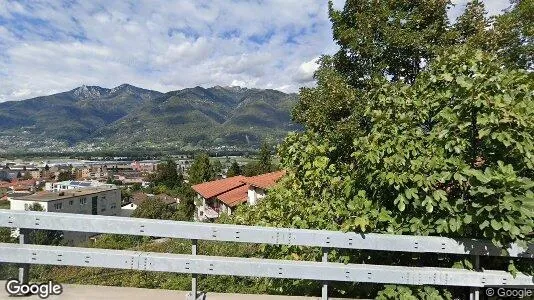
(194, 264)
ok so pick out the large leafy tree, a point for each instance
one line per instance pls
(264, 163)
(387, 38)
(154, 208)
(233, 170)
(514, 35)
(201, 170)
(167, 175)
(444, 148)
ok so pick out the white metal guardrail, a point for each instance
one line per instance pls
(253, 234)
(196, 264)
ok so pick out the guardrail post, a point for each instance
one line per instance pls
(474, 293)
(24, 269)
(194, 276)
(324, 294)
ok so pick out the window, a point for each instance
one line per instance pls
(83, 201)
(58, 206)
(71, 202)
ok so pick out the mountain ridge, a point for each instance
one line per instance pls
(127, 115)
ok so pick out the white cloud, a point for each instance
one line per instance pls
(306, 70)
(53, 45)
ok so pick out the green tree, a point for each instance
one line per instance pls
(472, 24)
(387, 38)
(154, 208)
(126, 194)
(263, 165)
(265, 160)
(451, 154)
(217, 167)
(201, 169)
(64, 176)
(167, 175)
(514, 35)
(186, 208)
(135, 187)
(443, 147)
(233, 170)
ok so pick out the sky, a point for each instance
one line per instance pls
(51, 46)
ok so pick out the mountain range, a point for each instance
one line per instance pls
(92, 117)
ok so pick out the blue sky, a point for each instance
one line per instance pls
(49, 46)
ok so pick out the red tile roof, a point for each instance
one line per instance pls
(18, 184)
(264, 181)
(233, 190)
(214, 188)
(235, 196)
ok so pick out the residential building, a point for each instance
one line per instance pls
(72, 184)
(258, 185)
(83, 173)
(219, 196)
(99, 200)
(145, 166)
(7, 174)
(20, 185)
(36, 174)
(224, 195)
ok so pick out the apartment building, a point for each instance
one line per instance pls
(73, 184)
(99, 200)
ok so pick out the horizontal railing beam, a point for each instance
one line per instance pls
(255, 234)
(251, 267)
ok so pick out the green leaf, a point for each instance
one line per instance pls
(463, 82)
(401, 206)
(496, 224)
(484, 224)
(468, 219)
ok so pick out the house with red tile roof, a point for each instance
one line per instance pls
(223, 195)
(20, 185)
(258, 185)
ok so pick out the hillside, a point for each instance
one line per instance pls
(91, 117)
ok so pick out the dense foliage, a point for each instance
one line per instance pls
(167, 175)
(415, 127)
(263, 165)
(154, 208)
(233, 170)
(166, 181)
(202, 169)
(5, 235)
(451, 154)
